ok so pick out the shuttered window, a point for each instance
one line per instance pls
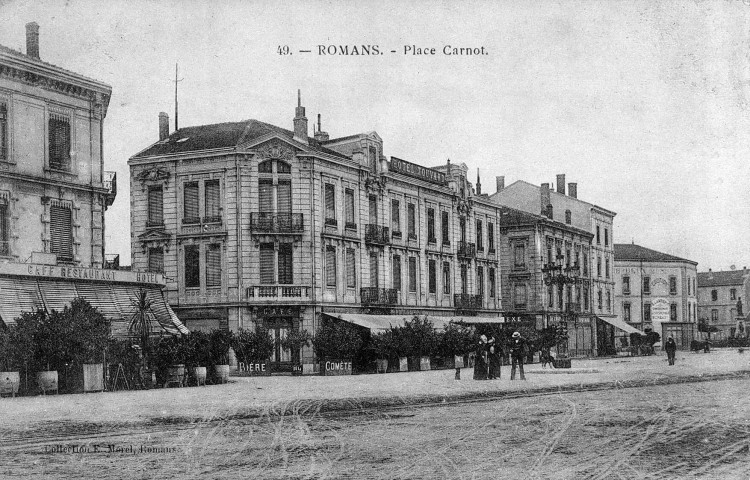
(284, 197)
(59, 142)
(464, 280)
(374, 273)
(351, 269)
(480, 237)
(430, 224)
(156, 259)
(480, 281)
(411, 220)
(373, 209)
(192, 266)
(265, 193)
(61, 229)
(432, 273)
(330, 202)
(267, 266)
(213, 199)
(444, 227)
(492, 282)
(412, 274)
(191, 213)
(213, 265)
(286, 276)
(330, 266)
(396, 272)
(446, 277)
(155, 206)
(349, 205)
(491, 237)
(3, 131)
(395, 216)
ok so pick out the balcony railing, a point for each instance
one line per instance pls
(573, 308)
(285, 292)
(467, 250)
(467, 301)
(377, 234)
(262, 222)
(109, 181)
(378, 296)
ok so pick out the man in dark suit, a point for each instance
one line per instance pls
(517, 353)
(671, 348)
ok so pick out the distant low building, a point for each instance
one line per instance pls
(722, 301)
(655, 290)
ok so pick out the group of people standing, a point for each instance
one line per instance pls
(489, 353)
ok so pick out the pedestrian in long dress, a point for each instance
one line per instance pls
(480, 360)
(517, 353)
(495, 362)
(671, 348)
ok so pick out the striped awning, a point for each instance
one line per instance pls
(621, 324)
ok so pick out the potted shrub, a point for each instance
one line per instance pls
(170, 356)
(199, 355)
(294, 341)
(220, 342)
(383, 345)
(253, 349)
(337, 343)
(420, 335)
(454, 342)
(140, 327)
(10, 375)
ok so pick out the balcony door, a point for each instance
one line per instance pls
(373, 203)
(275, 191)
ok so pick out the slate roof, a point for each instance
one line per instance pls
(717, 279)
(628, 251)
(18, 54)
(222, 135)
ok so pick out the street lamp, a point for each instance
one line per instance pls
(561, 275)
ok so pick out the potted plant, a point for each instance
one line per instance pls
(419, 334)
(171, 354)
(454, 342)
(220, 342)
(10, 376)
(337, 343)
(383, 345)
(199, 357)
(140, 327)
(294, 341)
(253, 349)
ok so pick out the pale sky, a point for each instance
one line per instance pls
(644, 104)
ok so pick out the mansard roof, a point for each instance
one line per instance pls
(717, 279)
(632, 252)
(510, 217)
(222, 135)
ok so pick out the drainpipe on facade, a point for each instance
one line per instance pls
(238, 223)
(94, 196)
(313, 250)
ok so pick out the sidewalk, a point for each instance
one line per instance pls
(258, 396)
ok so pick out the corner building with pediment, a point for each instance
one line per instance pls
(253, 224)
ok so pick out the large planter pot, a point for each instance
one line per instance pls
(458, 361)
(233, 364)
(175, 375)
(403, 364)
(93, 377)
(200, 375)
(9, 382)
(561, 363)
(47, 381)
(222, 373)
(382, 365)
(424, 363)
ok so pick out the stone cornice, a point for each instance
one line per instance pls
(54, 182)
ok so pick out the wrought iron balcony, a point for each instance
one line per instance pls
(378, 296)
(261, 222)
(467, 250)
(377, 234)
(467, 301)
(278, 292)
(109, 181)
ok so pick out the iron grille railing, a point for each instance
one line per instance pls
(378, 296)
(377, 234)
(277, 291)
(466, 249)
(277, 222)
(467, 301)
(109, 181)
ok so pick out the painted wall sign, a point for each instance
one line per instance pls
(68, 272)
(254, 369)
(660, 310)
(336, 367)
(416, 171)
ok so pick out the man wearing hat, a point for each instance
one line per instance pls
(517, 353)
(671, 347)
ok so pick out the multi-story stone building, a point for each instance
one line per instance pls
(253, 224)
(657, 291)
(721, 296)
(54, 192)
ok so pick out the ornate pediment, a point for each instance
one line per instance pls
(153, 175)
(375, 185)
(155, 238)
(276, 149)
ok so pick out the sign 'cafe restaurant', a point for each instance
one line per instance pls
(28, 287)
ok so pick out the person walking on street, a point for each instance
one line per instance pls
(494, 360)
(517, 353)
(671, 348)
(480, 360)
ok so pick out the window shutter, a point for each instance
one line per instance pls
(156, 260)
(265, 192)
(284, 197)
(444, 226)
(191, 212)
(285, 264)
(430, 224)
(349, 206)
(330, 201)
(396, 272)
(464, 279)
(213, 265)
(374, 274)
(446, 278)
(412, 274)
(155, 206)
(267, 264)
(351, 269)
(373, 204)
(330, 266)
(411, 214)
(480, 244)
(480, 281)
(395, 220)
(192, 266)
(59, 142)
(492, 283)
(3, 131)
(433, 276)
(213, 198)
(61, 228)
(491, 236)
(3, 223)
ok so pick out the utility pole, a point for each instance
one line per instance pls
(176, 120)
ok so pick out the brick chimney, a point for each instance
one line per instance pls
(300, 121)
(163, 126)
(500, 183)
(320, 135)
(561, 183)
(544, 199)
(573, 190)
(32, 39)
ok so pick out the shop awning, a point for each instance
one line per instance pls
(621, 324)
(384, 322)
